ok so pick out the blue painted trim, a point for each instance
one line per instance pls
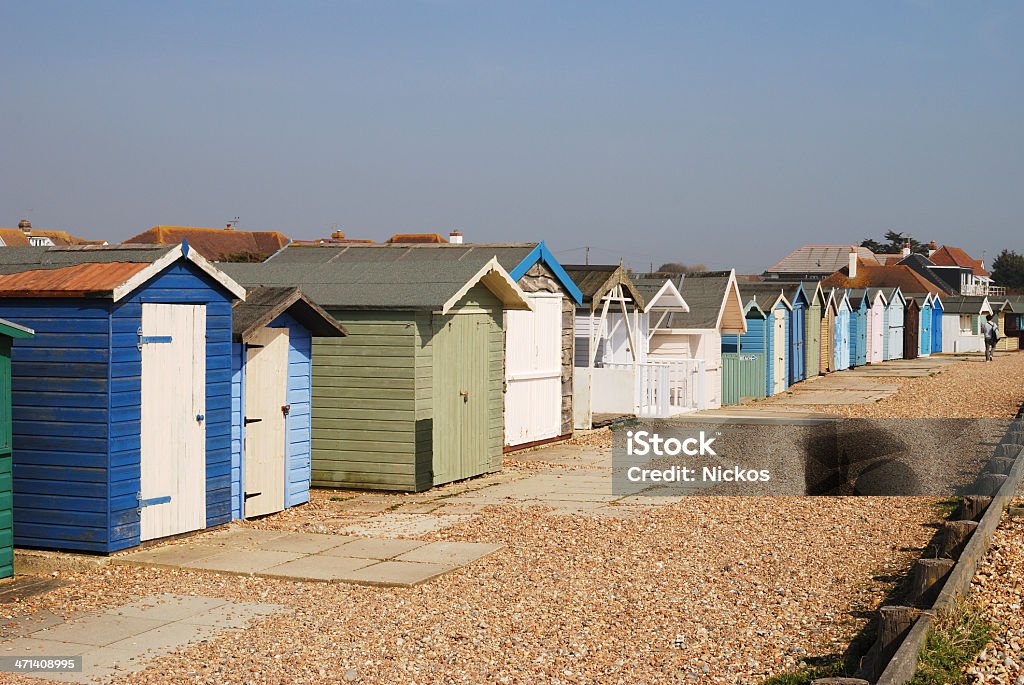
(184, 248)
(152, 501)
(541, 253)
(154, 339)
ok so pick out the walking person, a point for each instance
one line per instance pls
(990, 331)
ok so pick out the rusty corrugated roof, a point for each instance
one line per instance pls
(79, 280)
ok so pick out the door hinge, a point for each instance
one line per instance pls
(248, 420)
(153, 501)
(151, 339)
(252, 494)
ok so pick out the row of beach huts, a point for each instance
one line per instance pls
(149, 390)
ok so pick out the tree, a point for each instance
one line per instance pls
(680, 268)
(893, 243)
(1008, 269)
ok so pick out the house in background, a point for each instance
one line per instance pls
(962, 273)
(815, 262)
(713, 310)
(609, 344)
(271, 396)
(26, 236)
(121, 402)
(216, 244)
(412, 396)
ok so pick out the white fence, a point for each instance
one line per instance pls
(982, 289)
(666, 387)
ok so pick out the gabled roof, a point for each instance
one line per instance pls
(955, 256)
(768, 295)
(752, 308)
(661, 292)
(15, 330)
(95, 271)
(216, 244)
(894, 294)
(842, 299)
(384, 276)
(706, 294)
(868, 276)
(924, 268)
(596, 280)
(795, 292)
(823, 259)
(263, 305)
(539, 254)
(971, 304)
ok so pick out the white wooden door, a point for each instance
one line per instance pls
(779, 348)
(173, 450)
(533, 371)
(266, 396)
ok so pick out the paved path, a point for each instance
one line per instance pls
(125, 638)
(312, 556)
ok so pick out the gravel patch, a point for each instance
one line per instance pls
(998, 588)
(965, 389)
(724, 590)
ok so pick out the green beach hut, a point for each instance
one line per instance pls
(8, 333)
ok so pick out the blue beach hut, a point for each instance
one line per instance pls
(841, 349)
(927, 318)
(860, 306)
(799, 300)
(271, 394)
(122, 400)
(936, 332)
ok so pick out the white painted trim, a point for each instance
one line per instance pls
(491, 269)
(173, 255)
(670, 291)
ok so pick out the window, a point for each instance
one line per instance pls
(40, 241)
(965, 324)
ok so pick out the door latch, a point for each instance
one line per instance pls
(200, 418)
(286, 409)
(465, 395)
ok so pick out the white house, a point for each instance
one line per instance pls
(961, 323)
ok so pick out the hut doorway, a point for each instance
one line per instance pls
(172, 497)
(266, 396)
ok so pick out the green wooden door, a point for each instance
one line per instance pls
(6, 496)
(460, 397)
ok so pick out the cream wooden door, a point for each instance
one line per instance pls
(533, 371)
(266, 396)
(779, 345)
(173, 447)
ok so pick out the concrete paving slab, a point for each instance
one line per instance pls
(394, 525)
(100, 631)
(35, 646)
(23, 625)
(172, 555)
(233, 615)
(318, 568)
(397, 573)
(449, 553)
(369, 548)
(243, 560)
(164, 639)
(242, 537)
(303, 543)
(169, 607)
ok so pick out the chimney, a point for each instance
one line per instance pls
(25, 225)
(455, 237)
(932, 247)
(337, 235)
(228, 226)
(853, 264)
(906, 250)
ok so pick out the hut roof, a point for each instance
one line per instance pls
(264, 304)
(110, 271)
(766, 293)
(869, 276)
(705, 293)
(966, 304)
(596, 280)
(384, 276)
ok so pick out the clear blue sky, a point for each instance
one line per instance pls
(724, 133)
